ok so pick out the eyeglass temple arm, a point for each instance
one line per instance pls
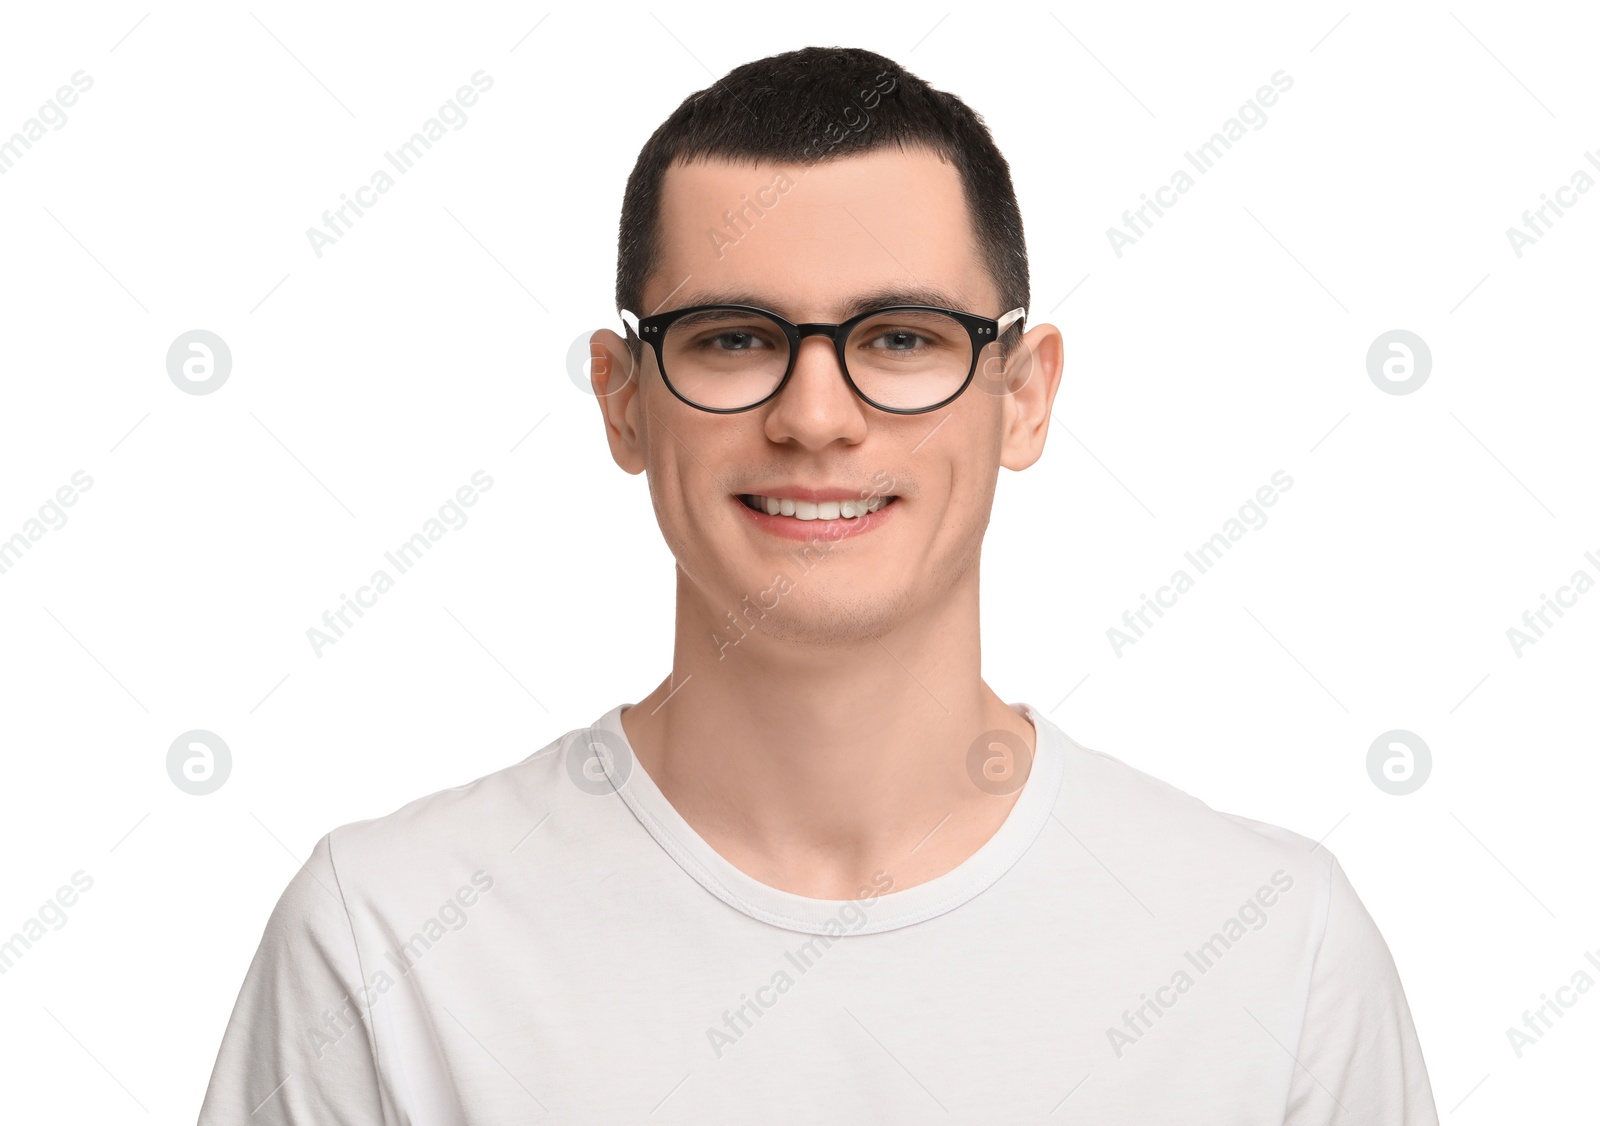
(630, 320)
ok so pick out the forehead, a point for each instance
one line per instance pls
(809, 238)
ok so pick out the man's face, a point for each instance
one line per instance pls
(845, 230)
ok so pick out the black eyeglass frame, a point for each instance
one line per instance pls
(981, 330)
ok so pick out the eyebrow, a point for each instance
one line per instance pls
(860, 303)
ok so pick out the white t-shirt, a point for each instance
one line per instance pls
(554, 943)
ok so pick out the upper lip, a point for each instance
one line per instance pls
(800, 492)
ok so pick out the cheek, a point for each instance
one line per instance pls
(680, 464)
(958, 519)
(666, 495)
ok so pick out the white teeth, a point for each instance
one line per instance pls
(817, 510)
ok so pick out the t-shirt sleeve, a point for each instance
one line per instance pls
(1358, 1050)
(298, 1049)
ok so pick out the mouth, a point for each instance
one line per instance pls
(805, 510)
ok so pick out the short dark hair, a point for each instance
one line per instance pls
(822, 103)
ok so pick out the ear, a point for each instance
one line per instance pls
(612, 375)
(1032, 376)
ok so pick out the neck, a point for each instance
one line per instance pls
(813, 764)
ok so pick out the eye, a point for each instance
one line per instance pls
(723, 332)
(734, 340)
(899, 340)
(909, 333)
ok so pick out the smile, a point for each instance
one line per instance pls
(814, 510)
(810, 521)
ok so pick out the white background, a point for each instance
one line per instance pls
(369, 384)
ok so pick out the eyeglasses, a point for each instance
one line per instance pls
(904, 359)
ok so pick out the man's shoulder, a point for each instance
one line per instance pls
(462, 826)
(1165, 835)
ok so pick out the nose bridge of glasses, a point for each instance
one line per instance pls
(814, 328)
(828, 356)
(827, 332)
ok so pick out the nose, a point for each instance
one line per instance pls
(816, 406)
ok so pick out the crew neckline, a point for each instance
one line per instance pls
(835, 917)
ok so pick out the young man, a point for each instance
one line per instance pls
(822, 872)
